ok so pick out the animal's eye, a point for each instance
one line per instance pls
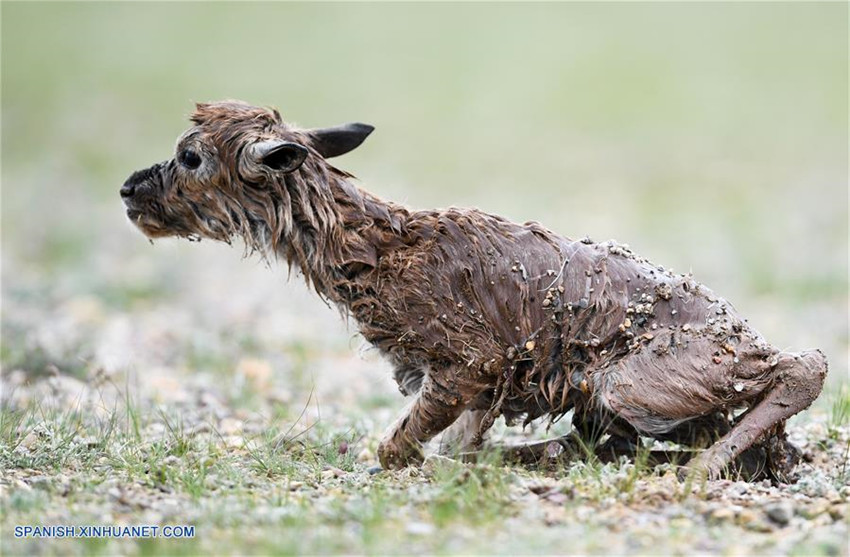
(189, 159)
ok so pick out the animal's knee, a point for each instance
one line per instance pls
(812, 364)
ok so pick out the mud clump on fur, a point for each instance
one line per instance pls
(482, 317)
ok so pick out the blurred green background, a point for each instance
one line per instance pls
(710, 137)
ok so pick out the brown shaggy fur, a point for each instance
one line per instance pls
(480, 316)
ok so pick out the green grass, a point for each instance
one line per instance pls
(477, 494)
(839, 414)
(291, 489)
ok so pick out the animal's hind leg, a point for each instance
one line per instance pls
(798, 381)
(699, 432)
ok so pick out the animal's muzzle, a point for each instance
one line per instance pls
(139, 191)
(142, 179)
(128, 189)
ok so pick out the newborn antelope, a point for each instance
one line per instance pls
(482, 317)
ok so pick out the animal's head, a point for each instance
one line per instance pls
(239, 170)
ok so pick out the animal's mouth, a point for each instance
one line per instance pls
(154, 225)
(135, 213)
(140, 195)
(148, 225)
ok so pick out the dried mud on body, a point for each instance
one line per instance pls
(256, 419)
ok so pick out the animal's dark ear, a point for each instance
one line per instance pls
(283, 156)
(332, 142)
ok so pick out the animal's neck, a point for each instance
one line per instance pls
(338, 232)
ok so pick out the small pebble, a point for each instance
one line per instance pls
(781, 512)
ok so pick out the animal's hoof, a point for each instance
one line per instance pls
(701, 469)
(682, 473)
(393, 456)
(782, 459)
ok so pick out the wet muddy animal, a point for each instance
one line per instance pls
(482, 317)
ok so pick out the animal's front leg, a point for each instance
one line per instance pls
(437, 406)
(461, 436)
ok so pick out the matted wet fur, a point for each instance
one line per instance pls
(480, 316)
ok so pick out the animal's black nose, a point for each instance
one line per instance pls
(128, 189)
(139, 178)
